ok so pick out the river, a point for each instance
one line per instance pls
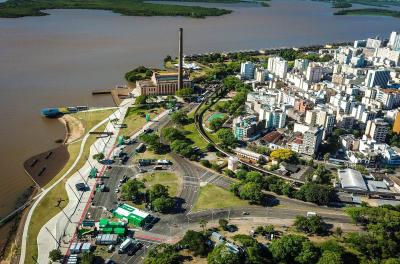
(58, 59)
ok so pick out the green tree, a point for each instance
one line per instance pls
(167, 59)
(221, 254)
(310, 225)
(185, 92)
(196, 242)
(293, 249)
(179, 117)
(87, 258)
(98, 156)
(131, 190)
(163, 204)
(223, 223)
(171, 134)
(203, 224)
(205, 163)
(163, 254)
(217, 123)
(338, 231)
(255, 176)
(182, 147)
(251, 191)
(158, 191)
(316, 193)
(227, 137)
(392, 261)
(326, 157)
(55, 255)
(141, 100)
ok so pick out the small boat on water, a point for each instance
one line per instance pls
(51, 112)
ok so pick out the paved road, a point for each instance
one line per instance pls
(172, 225)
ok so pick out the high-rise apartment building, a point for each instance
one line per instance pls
(247, 70)
(259, 74)
(394, 41)
(373, 43)
(277, 66)
(378, 77)
(301, 64)
(314, 73)
(312, 138)
(377, 130)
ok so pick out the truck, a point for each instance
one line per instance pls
(140, 148)
(311, 214)
(125, 245)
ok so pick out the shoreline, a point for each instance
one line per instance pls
(9, 251)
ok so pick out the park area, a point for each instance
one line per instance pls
(212, 196)
(135, 119)
(168, 179)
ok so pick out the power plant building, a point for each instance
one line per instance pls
(161, 83)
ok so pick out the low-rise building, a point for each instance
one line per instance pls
(161, 83)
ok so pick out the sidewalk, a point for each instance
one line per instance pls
(61, 227)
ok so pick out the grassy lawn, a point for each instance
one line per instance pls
(135, 119)
(212, 196)
(194, 136)
(148, 154)
(46, 209)
(91, 118)
(165, 178)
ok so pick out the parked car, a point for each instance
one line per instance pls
(111, 249)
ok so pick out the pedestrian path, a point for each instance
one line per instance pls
(61, 228)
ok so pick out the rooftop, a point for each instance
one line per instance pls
(352, 179)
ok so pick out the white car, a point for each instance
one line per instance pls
(117, 190)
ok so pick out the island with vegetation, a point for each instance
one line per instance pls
(370, 12)
(23, 8)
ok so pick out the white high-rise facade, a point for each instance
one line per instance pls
(247, 70)
(314, 73)
(278, 66)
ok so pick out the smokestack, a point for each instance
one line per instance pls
(180, 67)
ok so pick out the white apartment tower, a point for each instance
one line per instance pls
(247, 70)
(314, 73)
(277, 66)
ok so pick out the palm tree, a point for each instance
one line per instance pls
(203, 224)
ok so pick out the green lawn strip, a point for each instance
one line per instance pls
(194, 136)
(135, 119)
(165, 178)
(21, 8)
(46, 208)
(212, 197)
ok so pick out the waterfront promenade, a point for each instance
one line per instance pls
(63, 225)
(56, 225)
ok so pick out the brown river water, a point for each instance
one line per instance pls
(58, 59)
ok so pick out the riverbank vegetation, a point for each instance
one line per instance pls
(23, 8)
(369, 12)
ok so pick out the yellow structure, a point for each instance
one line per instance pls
(396, 124)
